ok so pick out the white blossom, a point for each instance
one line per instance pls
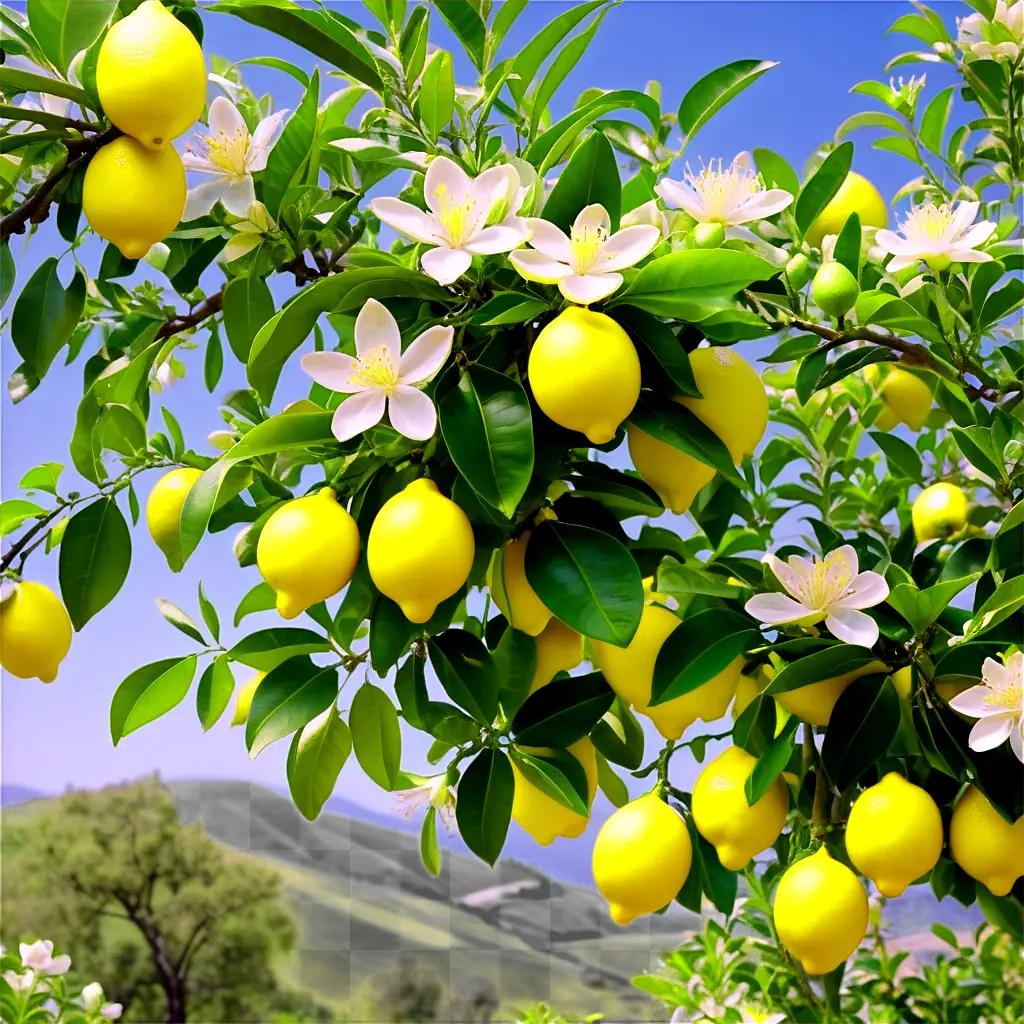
(433, 792)
(938, 235)
(20, 982)
(111, 1011)
(92, 995)
(1000, 38)
(249, 232)
(997, 704)
(38, 956)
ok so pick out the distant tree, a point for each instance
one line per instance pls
(406, 993)
(173, 923)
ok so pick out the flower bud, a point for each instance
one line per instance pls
(708, 236)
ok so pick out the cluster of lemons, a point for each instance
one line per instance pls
(151, 80)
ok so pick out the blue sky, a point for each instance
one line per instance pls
(58, 735)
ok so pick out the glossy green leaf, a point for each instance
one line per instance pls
(619, 736)
(289, 158)
(900, 456)
(430, 852)
(1004, 601)
(390, 634)
(177, 618)
(14, 81)
(509, 308)
(922, 607)
(437, 93)
(771, 763)
(836, 660)
(216, 685)
(148, 693)
(467, 672)
(712, 92)
(655, 337)
(247, 305)
(64, 27)
(260, 598)
(822, 185)
(484, 807)
(376, 737)
(515, 661)
(590, 176)
(557, 775)
(266, 649)
(610, 784)
(863, 724)
(464, 20)
(318, 753)
(562, 712)
(16, 511)
(46, 315)
(291, 695)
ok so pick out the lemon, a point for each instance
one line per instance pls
(630, 671)
(855, 195)
(834, 289)
(35, 632)
(749, 687)
(985, 844)
(642, 856)
(814, 702)
(163, 511)
(243, 705)
(512, 592)
(151, 76)
(734, 404)
(821, 912)
(585, 373)
(939, 511)
(543, 817)
(133, 196)
(798, 270)
(559, 649)
(894, 834)
(906, 397)
(420, 549)
(308, 551)
(903, 680)
(723, 816)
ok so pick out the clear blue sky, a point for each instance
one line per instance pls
(58, 735)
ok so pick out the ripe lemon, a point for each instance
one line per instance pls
(821, 912)
(939, 511)
(420, 549)
(585, 373)
(512, 592)
(243, 705)
(133, 196)
(559, 649)
(163, 511)
(814, 703)
(630, 670)
(985, 844)
(835, 289)
(894, 834)
(542, 816)
(151, 76)
(749, 687)
(855, 195)
(906, 397)
(734, 404)
(723, 816)
(35, 632)
(642, 856)
(308, 551)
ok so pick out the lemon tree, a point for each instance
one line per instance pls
(592, 448)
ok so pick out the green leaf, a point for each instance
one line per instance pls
(390, 634)
(771, 763)
(591, 176)
(610, 784)
(14, 81)
(562, 712)
(64, 27)
(922, 607)
(934, 118)
(177, 618)
(261, 598)
(437, 93)
(557, 775)
(712, 92)
(16, 511)
(486, 424)
(464, 20)
(8, 272)
(45, 315)
(43, 477)
(698, 649)
(290, 155)
(317, 754)
(94, 558)
(209, 614)
(863, 724)
(900, 456)
(215, 688)
(430, 852)
(656, 338)
(619, 736)
(776, 171)
(266, 649)
(484, 807)
(588, 579)
(376, 736)
(515, 661)
(847, 248)
(148, 693)
(467, 673)
(247, 306)
(509, 308)
(290, 696)
(1004, 601)
(213, 361)
(978, 449)
(836, 660)
(822, 186)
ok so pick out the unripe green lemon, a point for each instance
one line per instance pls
(585, 373)
(985, 844)
(798, 270)
(512, 593)
(243, 704)
(821, 912)
(544, 818)
(939, 511)
(708, 236)
(35, 632)
(163, 511)
(722, 815)
(855, 195)
(835, 289)
(642, 856)
(894, 834)
(559, 649)
(307, 551)
(420, 550)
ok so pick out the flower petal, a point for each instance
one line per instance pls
(202, 199)
(358, 413)
(198, 160)
(239, 195)
(647, 213)
(988, 733)
(845, 556)
(495, 185)
(587, 288)
(974, 702)
(445, 184)
(445, 265)
(900, 263)
(1017, 742)
(239, 245)
(268, 131)
(412, 413)
(498, 238)
(760, 205)
(549, 239)
(376, 328)
(224, 117)
(867, 590)
(969, 256)
(332, 370)
(591, 217)
(852, 627)
(677, 195)
(406, 219)
(775, 609)
(892, 242)
(627, 247)
(426, 355)
(535, 266)
(59, 964)
(963, 216)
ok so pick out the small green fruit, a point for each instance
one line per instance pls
(798, 270)
(708, 236)
(835, 289)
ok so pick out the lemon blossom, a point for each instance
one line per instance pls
(937, 234)
(647, 213)
(38, 956)
(829, 588)
(466, 217)
(998, 704)
(381, 376)
(249, 232)
(433, 791)
(231, 155)
(20, 982)
(1000, 38)
(585, 263)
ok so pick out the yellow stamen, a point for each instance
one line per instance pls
(587, 244)
(828, 582)
(456, 218)
(377, 370)
(229, 152)
(1009, 697)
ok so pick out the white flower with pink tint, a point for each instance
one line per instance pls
(38, 956)
(937, 235)
(997, 704)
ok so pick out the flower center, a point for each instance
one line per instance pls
(377, 369)
(229, 152)
(587, 244)
(722, 189)
(828, 581)
(456, 217)
(930, 222)
(1010, 698)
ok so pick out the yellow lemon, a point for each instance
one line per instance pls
(894, 834)
(906, 397)
(939, 511)
(723, 816)
(903, 680)
(642, 856)
(163, 511)
(420, 549)
(749, 687)
(243, 704)
(985, 844)
(734, 404)
(35, 632)
(585, 373)
(543, 817)
(630, 671)
(512, 592)
(559, 649)
(133, 196)
(821, 912)
(308, 551)
(855, 195)
(814, 703)
(151, 76)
